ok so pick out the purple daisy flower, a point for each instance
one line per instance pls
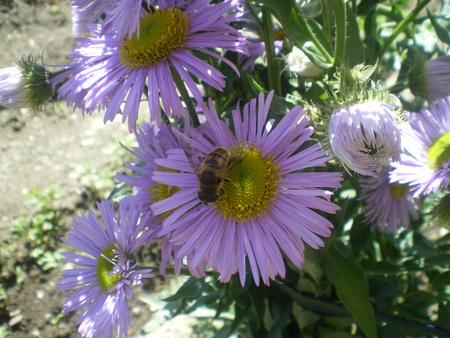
(425, 163)
(257, 49)
(264, 206)
(387, 205)
(154, 143)
(110, 68)
(120, 16)
(12, 92)
(103, 284)
(438, 77)
(365, 136)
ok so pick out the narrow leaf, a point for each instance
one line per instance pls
(347, 276)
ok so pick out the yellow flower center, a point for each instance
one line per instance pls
(161, 32)
(104, 266)
(250, 188)
(398, 190)
(439, 151)
(159, 192)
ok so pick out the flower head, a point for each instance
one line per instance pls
(120, 16)
(110, 68)
(430, 79)
(154, 143)
(257, 49)
(387, 205)
(103, 284)
(298, 63)
(425, 163)
(25, 85)
(365, 136)
(264, 205)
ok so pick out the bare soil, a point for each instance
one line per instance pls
(37, 151)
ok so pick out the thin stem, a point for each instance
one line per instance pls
(340, 9)
(186, 98)
(312, 37)
(402, 25)
(272, 67)
(326, 19)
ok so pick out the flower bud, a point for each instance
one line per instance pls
(298, 63)
(25, 85)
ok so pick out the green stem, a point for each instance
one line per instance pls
(402, 25)
(326, 19)
(312, 37)
(340, 10)
(186, 98)
(272, 67)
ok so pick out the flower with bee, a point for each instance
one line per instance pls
(260, 203)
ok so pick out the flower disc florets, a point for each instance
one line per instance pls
(104, 267)
(264, 205)
(425, 163)
(167, 46)
(161, 33)
(250, 188)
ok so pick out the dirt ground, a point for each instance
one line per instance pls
(36, 151)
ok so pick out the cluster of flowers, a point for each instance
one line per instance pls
(258, 201)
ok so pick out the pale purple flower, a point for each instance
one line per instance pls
(109, 68)
(265, 206)
(103, 283)
(438, 77)
(387, 205)
(257, 49)
(425, 164)
(12, 88)
(365, 136)
(154, 143)
(121, 17)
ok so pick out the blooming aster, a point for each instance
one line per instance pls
(120, 16)
(365, 136)
(154, 143)
(110, 68)
(387, 205)
(265, 204)
(103, 284)
(12, 92)
(438, 77)
(425, 163)
(430, 79)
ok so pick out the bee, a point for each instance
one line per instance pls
(213, 171)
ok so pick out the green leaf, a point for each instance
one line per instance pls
(347, 276)
(443, 316)
(354, 48)
(359, 234)
(281, 309)
(304, 317)
(240, 314)
(189, 289)
(440, 260)
(257, 298)
(441, 32)
(299, 30)
(380, 268)
(441, 281)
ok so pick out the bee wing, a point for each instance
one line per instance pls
(237, 155)
(193, 154)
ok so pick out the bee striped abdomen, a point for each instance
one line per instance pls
(217, 158)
